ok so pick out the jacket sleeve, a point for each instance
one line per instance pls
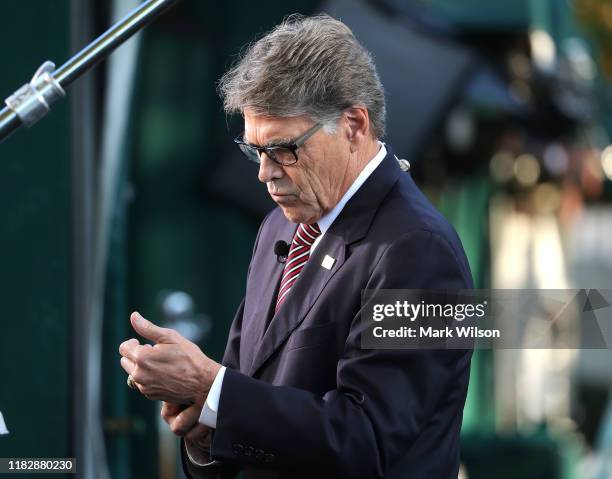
(383, 398)
(212, 470)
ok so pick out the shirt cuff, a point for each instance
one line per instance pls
(208, 416)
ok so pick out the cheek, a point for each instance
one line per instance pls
(313, 180)
(323, 179)
(313, 188)
(302, 181)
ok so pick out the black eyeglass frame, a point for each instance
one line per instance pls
(253, 152)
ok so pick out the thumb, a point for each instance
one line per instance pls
(149, 330)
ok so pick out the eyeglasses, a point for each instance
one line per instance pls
(284, 154)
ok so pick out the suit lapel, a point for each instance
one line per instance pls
(350, 226)
(302, 296)
(264, 290)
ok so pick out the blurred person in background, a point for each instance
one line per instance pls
(295, 394)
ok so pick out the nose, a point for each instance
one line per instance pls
(269, 170)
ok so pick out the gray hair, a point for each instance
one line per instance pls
(306, 66)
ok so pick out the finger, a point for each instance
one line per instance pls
(169, 411)
(185, 420)
(199, 434)
(142, 389)
(150, 331)
(127, 365)
(129, 347)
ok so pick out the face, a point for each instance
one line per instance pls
(311, 187)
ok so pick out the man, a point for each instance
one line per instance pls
(296, 395)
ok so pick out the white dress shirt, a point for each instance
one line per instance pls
(208, 417)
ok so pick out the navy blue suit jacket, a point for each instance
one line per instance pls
(300, 397)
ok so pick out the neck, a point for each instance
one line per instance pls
(369, 151)
(356, 165)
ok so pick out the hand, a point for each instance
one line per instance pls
(173, 370)
(181, 419)
(184, 422)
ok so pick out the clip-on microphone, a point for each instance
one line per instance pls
(281, 250)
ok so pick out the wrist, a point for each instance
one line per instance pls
(209, 372)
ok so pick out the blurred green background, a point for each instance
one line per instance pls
(178, 230)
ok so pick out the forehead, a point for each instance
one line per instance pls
(260, 129)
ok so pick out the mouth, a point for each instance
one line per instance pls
(279, 197)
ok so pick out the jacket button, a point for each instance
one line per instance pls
(269, 458)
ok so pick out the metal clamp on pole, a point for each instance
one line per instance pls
(33, 100)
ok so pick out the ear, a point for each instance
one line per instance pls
(358, 122)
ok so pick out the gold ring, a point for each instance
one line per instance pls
(130, 382)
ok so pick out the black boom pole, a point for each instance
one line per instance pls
(33, 100)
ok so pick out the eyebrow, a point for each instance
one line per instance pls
(273, 142)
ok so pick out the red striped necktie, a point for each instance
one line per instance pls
(299, 253)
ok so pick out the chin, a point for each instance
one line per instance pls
(295, 215)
